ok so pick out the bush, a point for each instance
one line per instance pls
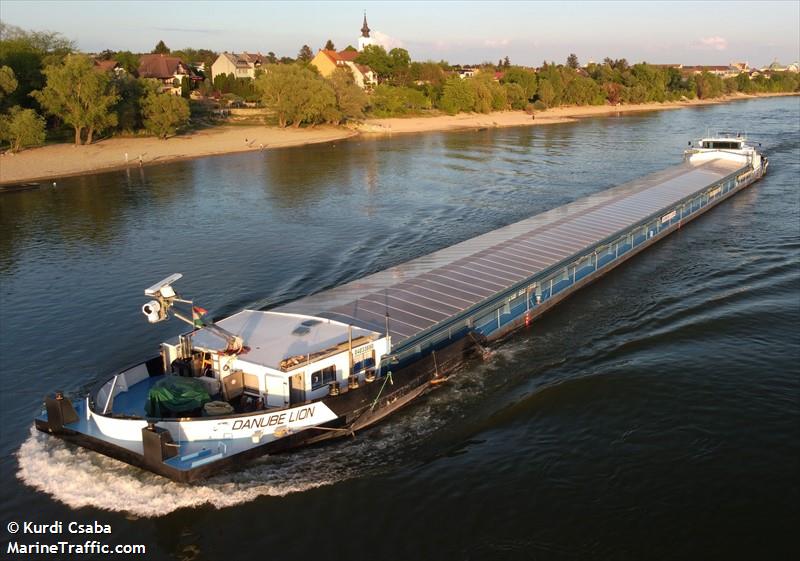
(539, 106)
(22, 128)
(388, 101)
(297, 95)
(350, 99)
(457, 96)
(515, 96)
(164, 114)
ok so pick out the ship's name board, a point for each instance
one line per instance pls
(362, 351)
(668, 217)
(276, 419)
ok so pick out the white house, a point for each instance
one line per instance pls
(241, 66)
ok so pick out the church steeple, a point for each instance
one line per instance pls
(365, 27)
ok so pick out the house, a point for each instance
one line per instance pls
(241, 66)
(740, 66)
(327, 61)
(466, 72)
(168, 70)
(109, 66)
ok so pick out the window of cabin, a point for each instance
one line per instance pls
(323, 377)
(723, 145)
(365, 364)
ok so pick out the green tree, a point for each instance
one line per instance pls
(524, 78)
(160, 49)
(350, 99)
(80, 96)
(297, 95)
(129, 108)
(430, 72)
(708, 85)
(128, 61)
(457, 96)
(378, 59)
(186, 87)
(197, 56)
(390, 101)
(305, 54)
(743, 83)
(8, 82)
(25, 52)
(400, 59)
(546, 93)
(614, 92)
(329, 45)
(482, 94)
(22, 128)
(516, 96)
(554, 75)
(572, 61)
(164, 113)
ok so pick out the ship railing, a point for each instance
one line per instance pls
(511, 304)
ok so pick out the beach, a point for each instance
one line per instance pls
(61, 160)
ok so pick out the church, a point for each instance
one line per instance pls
(365, 39)
(326, 61)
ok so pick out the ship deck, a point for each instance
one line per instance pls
(425, 294)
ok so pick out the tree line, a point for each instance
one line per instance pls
(44, 81)
(407, 87)
(45, 84)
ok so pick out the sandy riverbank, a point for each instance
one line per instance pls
(61, 160)
(519, 118)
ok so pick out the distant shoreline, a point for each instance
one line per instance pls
(57, 161)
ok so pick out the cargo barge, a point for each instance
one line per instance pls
(336, 362)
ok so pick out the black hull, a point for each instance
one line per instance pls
(357, 410)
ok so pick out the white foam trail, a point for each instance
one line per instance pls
(79, 478)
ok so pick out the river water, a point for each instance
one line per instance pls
(654, 415)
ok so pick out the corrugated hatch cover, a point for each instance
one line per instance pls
(431, 289)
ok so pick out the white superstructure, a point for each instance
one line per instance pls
(730, 146)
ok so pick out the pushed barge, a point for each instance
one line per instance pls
(325, 366)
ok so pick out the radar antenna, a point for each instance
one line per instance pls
(165, 298)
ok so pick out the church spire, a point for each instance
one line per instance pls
(365, 27)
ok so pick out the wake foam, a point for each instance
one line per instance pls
(81, 478)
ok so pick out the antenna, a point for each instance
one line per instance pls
(165, 298)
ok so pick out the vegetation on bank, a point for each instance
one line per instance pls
(47, 87)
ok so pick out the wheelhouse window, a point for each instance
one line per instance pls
(722, 145)
(323, 377)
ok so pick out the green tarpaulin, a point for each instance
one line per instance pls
(175, 395)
